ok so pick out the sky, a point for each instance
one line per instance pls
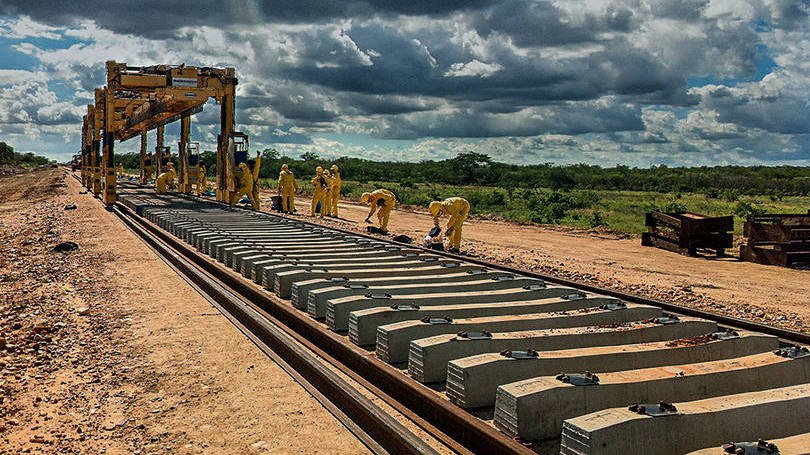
(632, 82)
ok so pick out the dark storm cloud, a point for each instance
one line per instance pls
(777, 114)
(161, 18)
(545, 24)
(566, 118)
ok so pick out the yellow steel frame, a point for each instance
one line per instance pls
(138, 99)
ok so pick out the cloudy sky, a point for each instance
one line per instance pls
(690, 82)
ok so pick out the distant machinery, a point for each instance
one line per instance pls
(138, 99)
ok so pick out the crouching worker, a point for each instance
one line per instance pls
(165, 179)
(383, 200)
(245, 185)
(457, 209)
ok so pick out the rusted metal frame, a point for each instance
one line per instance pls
(380, 427)
(421, 403)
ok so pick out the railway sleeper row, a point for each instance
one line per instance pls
(554, 362)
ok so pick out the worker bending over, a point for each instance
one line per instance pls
(202, 183)
(334, 191)
(246, 184)
(165, 179)
(382, 199)
(321, 186)
(457, 209)
(287, 186)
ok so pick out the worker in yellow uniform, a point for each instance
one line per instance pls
(381, 201)
(165, 179)
(202, 183)
(245, 186)
(120, 170)
(334, 191)
(457, 209)
(287, 186)
(257, 165)
(321, 186)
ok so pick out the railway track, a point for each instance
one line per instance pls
(482, 358)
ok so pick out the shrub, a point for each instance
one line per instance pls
(731, 194)
(598, 219)
(712, 193)
(744, 209)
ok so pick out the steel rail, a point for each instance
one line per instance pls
(458, 430)
(379, 431)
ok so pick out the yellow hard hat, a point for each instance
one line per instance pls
(285, 167)
(365, 197)
(335, 168)
(318, 169)
(435, 207)
(326, 173)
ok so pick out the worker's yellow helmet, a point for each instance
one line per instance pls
(285, 167)
(335, 168)
(435, 207)
(326, 173)
(318, 169)
(365, 197)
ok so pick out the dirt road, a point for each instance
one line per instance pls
(775, 295)
(106, 349)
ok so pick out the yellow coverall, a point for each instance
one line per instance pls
(334, 191)
(202, 184)
(256, 167)
(458, 209)
(165, 179)
(321, 186)
(120, 170)
(245, 186)
(287, 186)
(383, 199)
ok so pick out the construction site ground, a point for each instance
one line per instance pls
(106, 349)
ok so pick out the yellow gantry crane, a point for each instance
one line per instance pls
(138, 99)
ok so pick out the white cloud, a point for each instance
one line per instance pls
(473, 68)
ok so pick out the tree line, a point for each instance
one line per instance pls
(10, 157)
(472, 168)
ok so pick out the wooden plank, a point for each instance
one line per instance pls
(763, 255)
(707, 225)
(667, 219)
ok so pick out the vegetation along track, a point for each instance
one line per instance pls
(446, 320)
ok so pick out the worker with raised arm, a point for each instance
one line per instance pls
(165, 179)
(287, 187)
(334, 191)
(382, 201)
(320, 185)
(202, 183)
(457, 209)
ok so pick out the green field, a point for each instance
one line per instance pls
(619, 211)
